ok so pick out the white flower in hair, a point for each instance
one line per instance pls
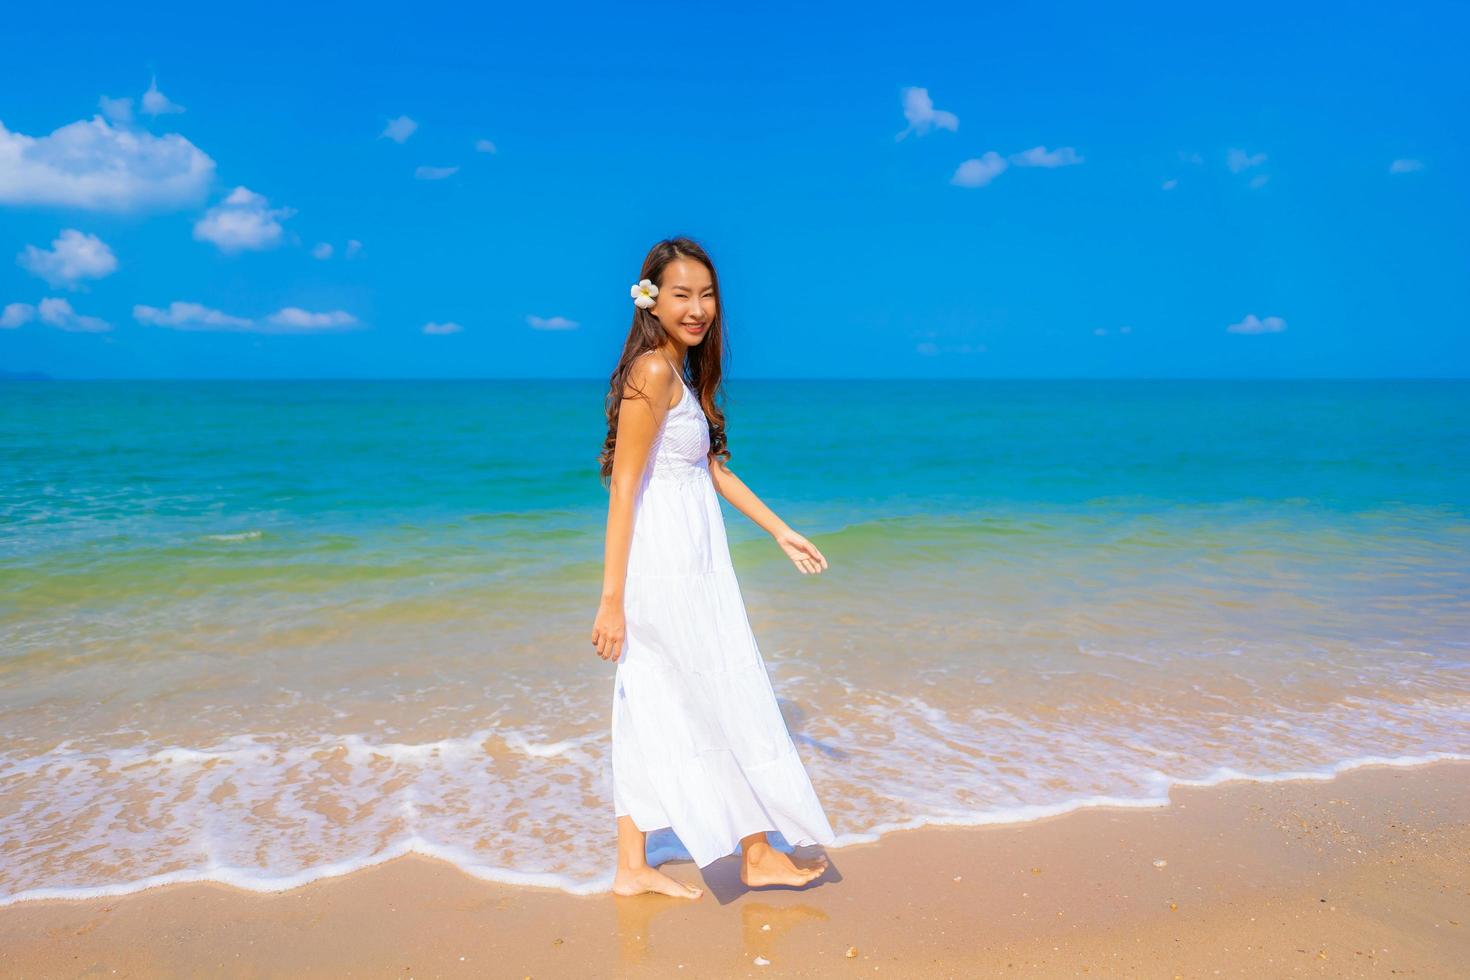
(644, 293)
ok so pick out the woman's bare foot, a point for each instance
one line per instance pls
(762, 864)
(636, 881)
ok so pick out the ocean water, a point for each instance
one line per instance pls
(265, 632)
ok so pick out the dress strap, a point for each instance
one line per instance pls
(673, 365)
(678, 373)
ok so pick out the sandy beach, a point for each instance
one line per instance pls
(1366, 874)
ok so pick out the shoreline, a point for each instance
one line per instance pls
(1355, 874)
(659, 851)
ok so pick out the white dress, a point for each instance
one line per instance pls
(698, 741)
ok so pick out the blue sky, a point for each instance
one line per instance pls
(1078, 191)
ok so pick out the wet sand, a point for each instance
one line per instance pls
(1365, 875)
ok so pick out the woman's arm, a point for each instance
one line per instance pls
(639, 417)
(797, 548)
(733, 489)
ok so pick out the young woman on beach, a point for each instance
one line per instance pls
(698, 741)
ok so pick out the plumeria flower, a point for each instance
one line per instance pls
(644, 293)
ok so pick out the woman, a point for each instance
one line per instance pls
(699, 744)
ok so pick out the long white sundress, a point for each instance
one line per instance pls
(698, 741)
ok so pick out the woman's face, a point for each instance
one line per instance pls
(685, 304)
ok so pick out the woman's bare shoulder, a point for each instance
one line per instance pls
(649, 371)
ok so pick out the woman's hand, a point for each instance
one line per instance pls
(608, 630)
(801, 551)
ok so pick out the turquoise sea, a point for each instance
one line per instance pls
(263, 632)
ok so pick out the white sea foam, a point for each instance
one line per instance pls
(267, 813)
(662, 845)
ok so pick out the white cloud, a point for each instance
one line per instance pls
(980, 171)
(484, 146)
(190, 316)
(16, 314)
(73, 256)
(155, 103)
(442, 328)
(196, 316)
(1171, 183)
(118, 110)
(99, 167)
(919, 110)
(435, 173)
(1125, 329)
(1259, 180)
(1038, 156)
(552, 323)
(1238, 160)
(295, 318)
(323, 250)
(58, 313)
(53, 312)
(1191, 157)
(399, 129)
(1251, 324)
(242, 221)
(1100, 331)
(1405, 166)
(353, 247)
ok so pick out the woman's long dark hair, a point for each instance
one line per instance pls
(704, 361)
